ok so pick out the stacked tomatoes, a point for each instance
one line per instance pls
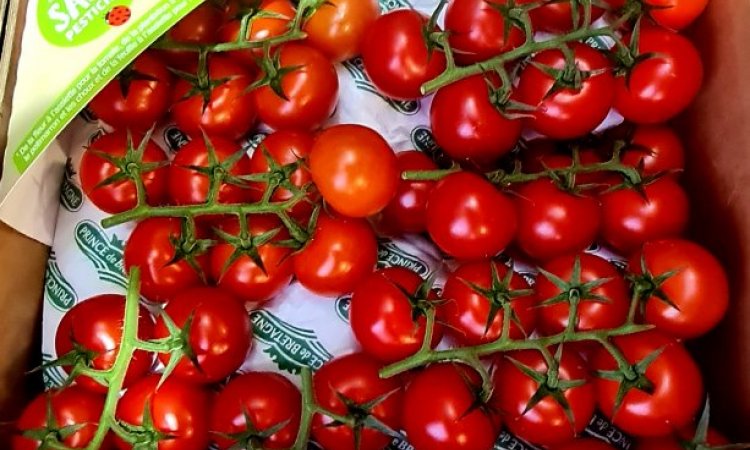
(220, 231)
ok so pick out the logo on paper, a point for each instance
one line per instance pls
(390, 5)
(175, 138)
(69, 23)
(253, 142)
(400, 444)
(343, 304)
(58, 292)
(104, 252)
(71, 196)
(601, 428)
(507, 441)
(53, 376)
(423, 140)
(290, 347)
(357, 70)
(390, 255)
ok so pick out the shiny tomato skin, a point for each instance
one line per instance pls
(629, 218)
(357, 378)
(678, 386)
(220, 333)
(259, 28)
(671, 14)
(468, 218)
(557, 17)
(199, 28)
(568, 113)
(269, 400)
(593, 314)
(468, 126)
(655, 149)
(121, 196)
(338, 27)
(95, 325)
(382, 316)
(339, 255)
(467, 312)
(584, 444)
(355, 170)
(699, 289)
(661, 87)
(312, 90)
(396, 56)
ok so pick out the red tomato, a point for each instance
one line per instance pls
(234, 263)
(346, 386)
(655, 149)
(178, 410)
(602, 306)
(152, 247)
(339, 255)
(660, 87)
(468, 218)
(631, 218)
(553, 222)
(199, 28)
(251, 405)
(309, 90)
(584, 444)
(671, 392)
(338, 27)
(218, 336)
(188, 186)
(450, 417)
(396, 56)
(468, 126)
(557, 17)
(698, 287)
(70, 407)
(672, 14)
(474, 308)
(478, 30)
(388, 315)
(355, 170)
(121, 195)
(228, 110)
(92, 330)
(138, 98)
(567, 108)
(540, 155)
(259, 28)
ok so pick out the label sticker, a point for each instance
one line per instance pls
(69, 23)
(104, 252)
(389, 255)
(71, 196)
(57, 290)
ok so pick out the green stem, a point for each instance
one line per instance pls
(308, 410)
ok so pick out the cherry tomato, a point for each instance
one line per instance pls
(121, 195)
(584, 444)
(219, 333)
(198, 27)
(468, 218)
(655, 149)
(270, 19)
(339, 255)
(251, 405)
(676, 386)
(567, 107)
(396, 56)
(672, 14)
(557, 17)
(355, 170)
(697, 291)
(345, 386)
(541, 155)
(308, 91)
(338, 27)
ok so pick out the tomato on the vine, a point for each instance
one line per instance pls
(671, 14)
(558, 17)
(199, 27)
(541, 155)
(338, 27)
(655, 150)
(269, 19)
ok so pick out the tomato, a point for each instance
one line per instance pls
(121, 195)
(672, 14)
(217, 338)
(697, 292)
(354, 169)
(227, 108)
(678, 442)
(252, 405)
(655, 149)
(631, 218)
(153, 246)
(468, 126)
(338, 27)
(235, 262)
(541, 155)
(601, 306)
(468, 218)
(347, 386)
(662, 86)
(92, 331)
(407, 212)
(198, 28)
(584, 444)
(567, 107)
(557, 17)
(70, 407)
(442, 411)
(666, 395)
(396, 56)
(388, 314)
(271, 18)
(478, 30)
(190, 186)
(138, 98)
(341, 252)
(553, 222)
(308, 90)
(178, 411)
(476, 296)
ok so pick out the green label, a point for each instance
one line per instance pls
(389, 255)
(357, 70)
(342, 307)
(59, 293)
(290, 347)
(104, 252)
(71, 196)
(53, 376)
(68, 23)
(423, 140)
(390, 5)
(598, 43)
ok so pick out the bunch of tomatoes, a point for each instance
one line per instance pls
(450, 365)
